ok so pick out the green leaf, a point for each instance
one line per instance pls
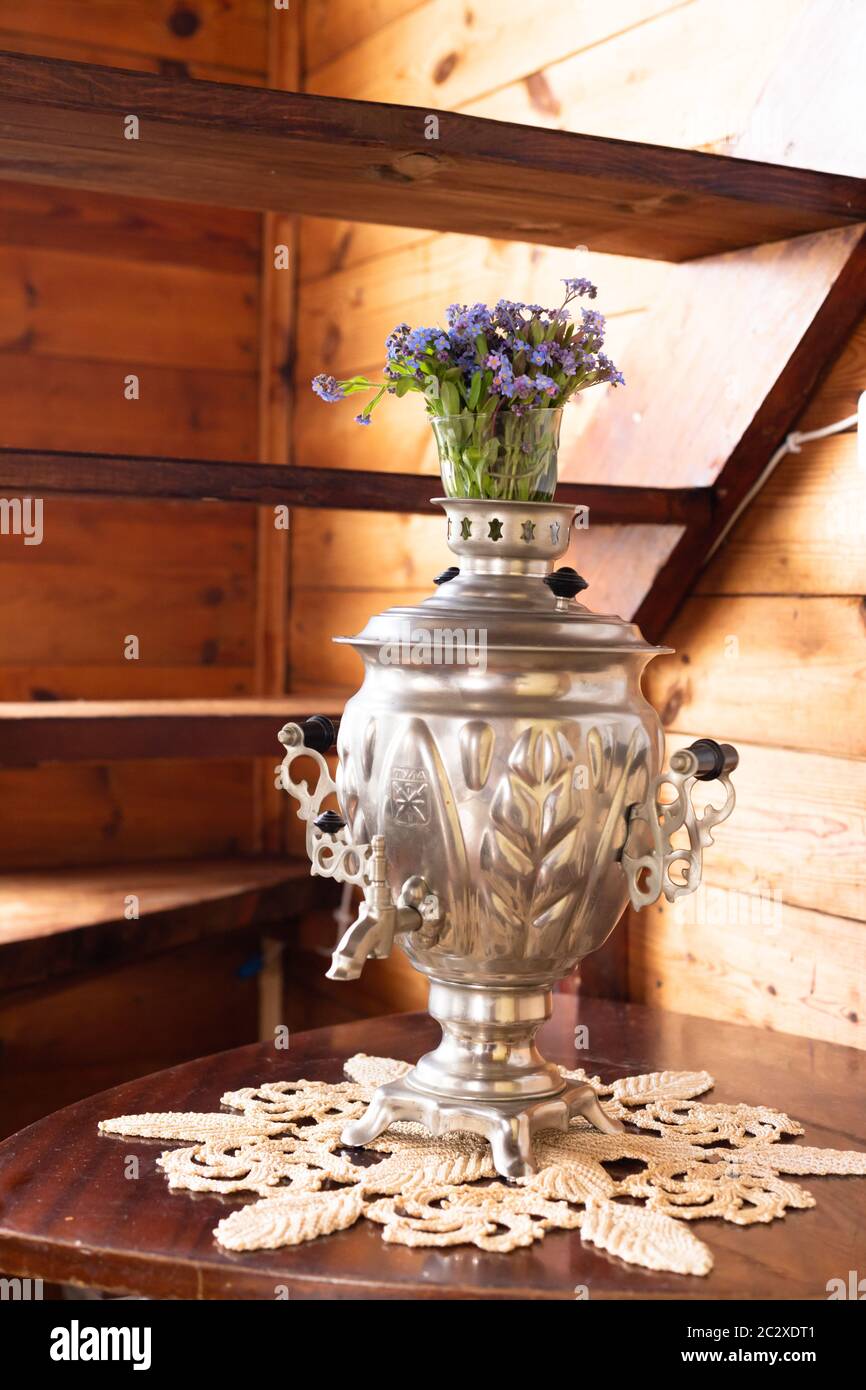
(449, 397)
(475, 390)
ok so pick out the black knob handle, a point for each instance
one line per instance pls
(329, 822)
(713, 758)
(565, 582)
(443, 578)
(320, 733)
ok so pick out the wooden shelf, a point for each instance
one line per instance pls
(39, 473)
(62, 123)
(101, 731)
(57, 921)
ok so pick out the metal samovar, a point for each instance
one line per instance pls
(499, 786)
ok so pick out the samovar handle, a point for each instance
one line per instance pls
(649, 873)
(333, 854)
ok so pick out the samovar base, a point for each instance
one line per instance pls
(508, 1127)
(486, 1077)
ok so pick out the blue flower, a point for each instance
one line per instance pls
(546, 385)
(363, 420)
(608, 371)
(395, 343)
(524, 386)
(328, 387)
(579, 286)
(469, 320)
(540, 355)
(503, 381)
(592, 321)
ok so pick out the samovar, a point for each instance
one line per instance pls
(501, 798)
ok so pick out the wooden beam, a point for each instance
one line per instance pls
(67, 123)
(102, 731)
(34, 472)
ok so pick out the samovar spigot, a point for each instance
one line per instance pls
(380, 919)
(333, 854)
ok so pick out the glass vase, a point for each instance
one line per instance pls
(504, 455)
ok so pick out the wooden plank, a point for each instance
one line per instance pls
(199, 540)
(58, 922)
(735, 958)
(178, 578)
(128, 229)
(64, 403)
(64, 304)
(126, 680)
(105, 731)
(331, 244)
(86, 52)
(811, 126)
(653, 80)
(34, 472)
(212, 31)
(332, 26)
(197, 618)
(803, 533)
(781, 670)
(445, 53)
(799, 828)
(245, 147)
(128, 811)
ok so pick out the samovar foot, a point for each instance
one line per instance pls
(507, 1126)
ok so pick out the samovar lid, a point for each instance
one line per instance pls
(505, 586)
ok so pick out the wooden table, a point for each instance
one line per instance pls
(68, 1214)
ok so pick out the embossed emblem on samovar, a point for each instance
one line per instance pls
(410, 796)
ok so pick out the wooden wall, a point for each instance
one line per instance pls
(94, 289)
(771, 655)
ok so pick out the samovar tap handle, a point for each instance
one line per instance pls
(649, 872)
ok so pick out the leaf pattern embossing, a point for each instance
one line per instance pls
(533, 853)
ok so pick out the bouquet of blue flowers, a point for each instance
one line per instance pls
(494, 384)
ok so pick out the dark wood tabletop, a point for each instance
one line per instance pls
(68, 1213)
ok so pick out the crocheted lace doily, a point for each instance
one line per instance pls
(697, 1160)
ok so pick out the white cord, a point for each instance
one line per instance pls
(791, 445)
